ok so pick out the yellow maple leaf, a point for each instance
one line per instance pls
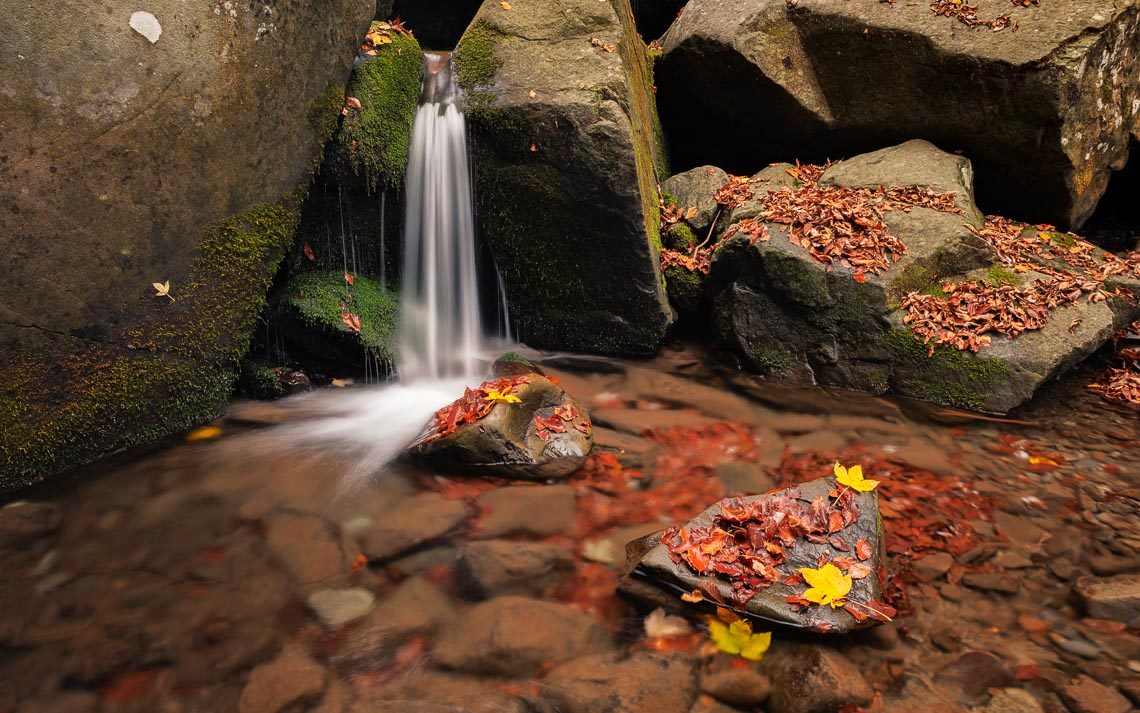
(828, 585)
(501, 397)
(853, 478)
(737, 639)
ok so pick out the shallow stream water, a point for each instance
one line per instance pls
(189, 576)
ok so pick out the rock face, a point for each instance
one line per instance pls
(796, 318)
(542, 434)
(567, 157)
(148, 161)
(651, 574)
(825, 78)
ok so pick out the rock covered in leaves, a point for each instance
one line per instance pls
(521, 426)
(567, 161)
(823, 78)
(879, 273)
(747, 553)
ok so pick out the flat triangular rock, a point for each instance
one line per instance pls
(654, 570)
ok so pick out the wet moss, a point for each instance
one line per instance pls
(680, 237)
(999, 275)
(475, 60)
(373, 143)
(324, 117)
(260, 381)
(685, 288)
(319, 298)
(948, 376)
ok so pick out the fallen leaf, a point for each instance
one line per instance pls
(497, 396)
(660, 625)
(351, 321)
(737, 639)
(341, 383)
(533, 94)
(162, 289)
(828, 585)
(308, 250)
(854, 479)
(350, 278)
(505, 5)
(204, 433)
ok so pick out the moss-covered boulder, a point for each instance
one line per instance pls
(1045, 107)
(520, 425)
(374, 138)
(160, 157)
(794, 316)
(567, 159)
(320, 315)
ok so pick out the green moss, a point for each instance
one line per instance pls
(935, 290)
(260, 381)
(772, 362)
(680, 237)
(1068, 241)
(947, 376)
(374, 141)
(998, 275)
(668, 199)
(685, 288)
(324, 116)
(515, 357)
(912, 279)
(319, 299)
(475, 60)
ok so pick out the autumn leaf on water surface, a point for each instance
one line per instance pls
(162, 289)
(497, 396)
(659, 625)
(828, 585)
(204, 433)
(736, 638)
(853, 478)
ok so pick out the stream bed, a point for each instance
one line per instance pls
(269, 563)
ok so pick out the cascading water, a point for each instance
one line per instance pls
(440, 329)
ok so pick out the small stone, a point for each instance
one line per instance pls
(308, 547)
(1032, 624)
(1062, 569)
(1106, 565)
(744, 687)
(1088, 696)
(495, 567)
(1013, 700)
(412, 522)
(661, 683)
(1020, 530)
(952, 592)
(70, 702)
(808, 678)
(1011, 559)
(23, 521)
(932, 567)
(337, 607)
(991, 582)
(539, 510)
(1111, 597)
(972, 674)
(1084, 649)
(514, 636)
(289, 679)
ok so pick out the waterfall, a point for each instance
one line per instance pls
(440, 326)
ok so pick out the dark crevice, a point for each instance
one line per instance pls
(1115, 225)
(438, 24)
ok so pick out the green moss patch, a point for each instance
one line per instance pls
(475, 60)
(685, 288)
(998, 275)
(374, 141)
(947, 376)
(317, 299)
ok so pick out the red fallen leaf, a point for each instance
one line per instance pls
(352, 103)
(554, 380)
(350, 278)
(863, 549)
(797, 600)
(308, 250)
(359, 563)
(835, 522)
(1026, 672)
(129, 686)
(870, 609)
(859, 276)
(858, 570)
(351, 321)
(839, 543)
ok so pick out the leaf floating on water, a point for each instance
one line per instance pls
(162, 289)
(737, 639)
(659, 625)
(204, 433)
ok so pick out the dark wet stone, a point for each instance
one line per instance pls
(496, 567)
(972, 674)
(933, 566)
(813, 679)
(527, 510)
(291, 678)
(605, 683)
(411, 523)
(506, 443)
(1006, 584)
(744, 687)
(651, 574)
(24, 521)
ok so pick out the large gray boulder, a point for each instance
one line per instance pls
(798, 319)
(1045, 110)
(567, 159)
(171, 152)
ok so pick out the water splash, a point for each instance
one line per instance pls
(440, 326)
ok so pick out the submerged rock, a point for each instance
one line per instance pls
(567, 157)
(825, 78)
(523, 426)
(813, 679)
(652, 574)
(798, 318)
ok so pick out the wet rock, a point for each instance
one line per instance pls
(337, 607)
(708, 704)
(1013, 700)
(1087, 696)
(607, 682)
(289, 679)
(23, 521)
(744, 687)
(933, 566)
(534, 510)
(431, 692)
(812, 679)
(744, 478)
(1004, 583)
(972, 674)
(413, 522)
(1110, 597)
(1020, 530)
(309, 548)
(513, 440)
(71, 702)
(825, 80)
(514, 636)
(497, 567)
(531, 76)
(610, 550)
(696, 188)
(651, 574)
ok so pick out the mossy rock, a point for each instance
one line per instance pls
(567, 160)
(680, 237)
(373, 142)
(686, 288)
(308, 313)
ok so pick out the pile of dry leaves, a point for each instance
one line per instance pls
(473, 405)
(380, 34)
(1122, 384)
